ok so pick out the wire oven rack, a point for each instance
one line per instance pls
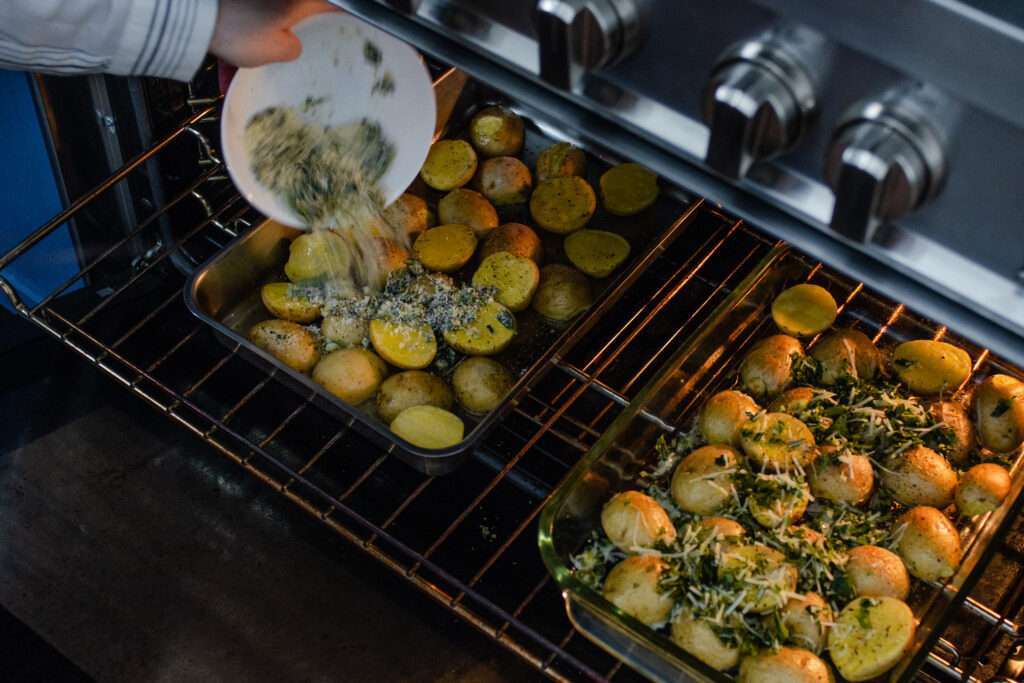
(467, 540)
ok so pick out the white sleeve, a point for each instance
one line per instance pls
(164, 38)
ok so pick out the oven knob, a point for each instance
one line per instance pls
(886, 158)
(576, 36)
(762, 97)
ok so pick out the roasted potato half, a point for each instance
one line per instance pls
(490, 332)
(344, 330)
(767, 369)
(481, 383)
(982, 489)
(515, 238)
(284, 301)
(999, 413)
(870, 636)
(695, 634)
(560, 159)
(428, 426)
(596, 252)
(289, 342)
(449, 164)
(632, 586)
(761, 567)
(928, 543)
(497, 131)
(515, 277)
(468, 207)
(410, 346)
(352, 374)
(787, 665)
(562, 293)
(632, 520)
(877, 572)
(628, 189)
(446, 248)
(724, 414)
(412, 388)
(564, 204)
(846, 350)
(777, 441)
(408, 215)
(318, 254)
(930, 367)
(920, 476)
(804, 310)
(841, 477)
(807, 617)
(504, 181)
(702, 481)
(958, 428)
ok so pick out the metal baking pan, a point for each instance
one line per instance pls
(224, 292)
(703, 365)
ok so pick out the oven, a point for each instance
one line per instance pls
(883, 143)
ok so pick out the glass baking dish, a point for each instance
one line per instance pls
(703, 365)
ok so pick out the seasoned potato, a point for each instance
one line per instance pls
(632, 586)
(468, 207)
(767, 369)
(389, 256)
(428, 426)
(792, 401)
(632, 520)
(497, 131)
(870, 636)
(724, 414)
(847, 350)
(694, 634)
(930, 367)
(785, 505)
(481, 383)
(702, 481)
(920, 476)
(843, 478)
(344, 330)
(288, 342)
(928, 543)
(449, 164)
(317, 254)
(723, 528)
(999, 413)
(628, 189)
(564, 204)
(981, 489)
(766, 572)
(877, 572)
(788, 665)
(284, 302)
(516, 279)
(410, 346)
(562, 293)
(807, 618)
(352, 374)
(804, 310)
(515, 238)
(560, 159)
(504, 181)
(490, 332)
(958, 428)
(596, 252)
(446, 248)
(777, 441)
(408, 214)
(412, 388)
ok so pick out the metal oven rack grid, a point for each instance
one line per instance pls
(468, 540)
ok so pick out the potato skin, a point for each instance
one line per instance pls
(998, 408)
(929, 367)
(785, 507)
(632, 584)
(701, 482)
(788, 665)
(481, 383)
(504, 181)
(920, 476)
(316, 254)
(408, 214)
(777, 441)
(877, 572)
(695, 635)
(958, 426)
(724, 414)
(806, 618)
(981, 489)
(515, 238)
(289, 342)
(497, 131)
(353, 374)
(560, 159)
(633, 519)
(562, 293)
(928, 543)
(792, 401)
(468, 207)
(764, 564)
(846, 349)
(412, 388)
(847, 480)
(766, 370)
(344, 330)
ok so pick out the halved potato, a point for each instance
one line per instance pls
(514, 277)
(777, 441)
(981, 489)
(870, 636)
(515, 238)
(928, 543)
(787, 665)
(766, 573)
(318, 254)
(428, 427)
(412, 388)
(632, 586)
(481, 383)
(632, 519)
(998, 408)
(489, 333)
(929, 367)
(804, 310)
(564, 204)
(695, 634)
(919, 476)
(408, 214)
(289, 342)
(504, 181)
(410, 346)
(702, 481)
(628, 189)
(344, 330)
(846, 350)
(445, 248)
(497, 131)
(724, 414)
(596, 252)
(560, 159)
(449, 164)
(468, 207)
(281, 299)
(767, 368)
(563, 293)
(352, 374)
(877, 572)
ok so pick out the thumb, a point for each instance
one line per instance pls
(282, 46)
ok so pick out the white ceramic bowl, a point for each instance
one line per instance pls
(333, 66)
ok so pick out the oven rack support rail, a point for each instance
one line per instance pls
(555, 424)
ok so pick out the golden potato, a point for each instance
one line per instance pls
(928, 543)
(958, 428)
(722, 528)
(596, 252)
(481, 383)
(804, 310)
(516, 279)
(428, 426)
(497, 131)
(724, 414)
(981, 489)
(843, 478)
(877, 572)
(490, 332)
(702, 481)
(632, 520)
(318, 254)
(410, 346)
(412, 388)
(870, 636)
(632, 586)
(289, 342)
(694, 634)
(504, 181)
(344, 330)
(352, 374)
(786, 504)
(788, 665)
(919, 476)
(445, 248)
(930, 367)
(408, 214)
(628, 189)
(847, 350)
(564, 204)
(998, 408)
(807, 618)
(449, 164)
(388, 256)
(283, 301)
(777, 441)
(560, 159)
(468, 207)
(767, 369)
(515, 238)
(766, 572)
(562, 293)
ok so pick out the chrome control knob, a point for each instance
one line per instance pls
(576, 36)
(762, 97)
(886, 158)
